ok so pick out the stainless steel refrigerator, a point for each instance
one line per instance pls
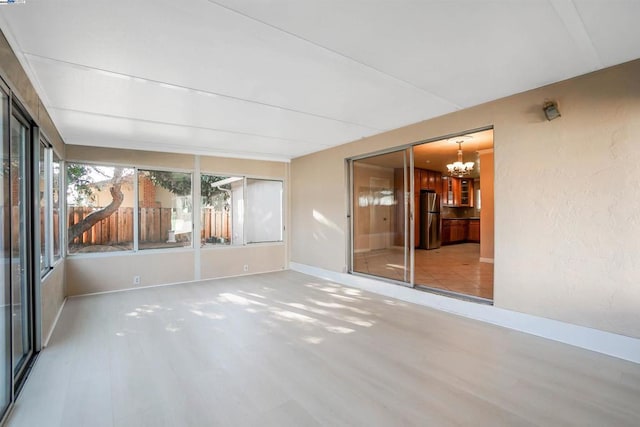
(430, 237)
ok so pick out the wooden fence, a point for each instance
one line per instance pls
(116, 229)
(154, 225)
(215, 224)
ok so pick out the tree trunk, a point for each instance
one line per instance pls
(93, 218)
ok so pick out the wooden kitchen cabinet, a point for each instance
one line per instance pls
(459, 230)
(450, 190)
(426, 179)
(474, 231)
(454, 231)
(445, 232)
(465, 192)
(457, 192)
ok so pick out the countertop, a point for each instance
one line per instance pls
(459, 219)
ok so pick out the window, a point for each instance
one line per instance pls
(55, 206)
(221, 210)
(44, 177)
(165, 209)
(264, 211)
(49, 204)
(99, 208)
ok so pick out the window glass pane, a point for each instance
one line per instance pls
(42, 188)
(264, 211)
(219, 224)
(55, 205)
(165, 209)
(99, 208)
(21, 309)
(5, 266)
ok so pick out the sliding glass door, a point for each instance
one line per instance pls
(20, 226)
(381, 220)
(21, 292)
(6, 375)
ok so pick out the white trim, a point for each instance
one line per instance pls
(608, 343)
(196, 204)
(55, 323)
(488, 260)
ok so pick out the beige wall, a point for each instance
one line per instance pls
(52, 295)
(223, 262)
(487, 214)
(567, 198)
(108, 272)
(100, 273)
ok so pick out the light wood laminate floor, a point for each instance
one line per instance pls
(286, 349)
(455, 268)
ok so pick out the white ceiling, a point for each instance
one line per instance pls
(277, 79)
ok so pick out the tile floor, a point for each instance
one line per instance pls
(455, 268)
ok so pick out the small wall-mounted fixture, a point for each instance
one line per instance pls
(551, 111)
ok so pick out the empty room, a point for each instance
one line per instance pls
(320, 213)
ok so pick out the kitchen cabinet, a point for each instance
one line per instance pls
(460, 230)
(454, 231)
(457, 192)
(449, 189)
(445, 232)
(465, 192)
(474, 231)
(426, 179)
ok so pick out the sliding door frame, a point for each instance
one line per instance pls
(408, 202)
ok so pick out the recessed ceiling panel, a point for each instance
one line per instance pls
(202, 45)
(613, 28)
(100, 93)
(282, 78)
(467, 52)
(88, 129)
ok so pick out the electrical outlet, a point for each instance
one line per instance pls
(246, 267)
(136, 280)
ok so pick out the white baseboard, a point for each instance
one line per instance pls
(608, 343)
(55, 323)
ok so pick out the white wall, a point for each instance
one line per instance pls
(567, 198)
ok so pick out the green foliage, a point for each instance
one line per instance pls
(179, 183)
(208, 191)
(82, 181)
(79, 182)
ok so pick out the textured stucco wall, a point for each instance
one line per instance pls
(567, 198)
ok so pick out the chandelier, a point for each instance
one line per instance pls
(460, 168)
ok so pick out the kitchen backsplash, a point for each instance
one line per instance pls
(449, 212)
